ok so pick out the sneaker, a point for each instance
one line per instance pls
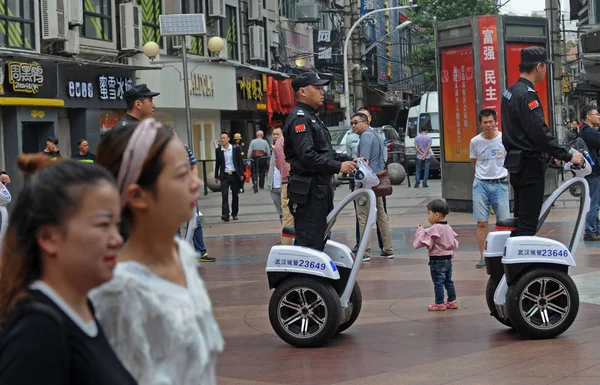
(436, 307)
(425, 185)
(591, 237)
(355, 249)
(416, 185)
(366, 258)
(451, 305)
(206, 258)
(481, 264)
(387, 255)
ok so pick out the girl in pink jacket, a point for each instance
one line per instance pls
(441, 243)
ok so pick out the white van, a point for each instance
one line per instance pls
(426, 114)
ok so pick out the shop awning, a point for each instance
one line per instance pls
(40, 102)
(9, 53)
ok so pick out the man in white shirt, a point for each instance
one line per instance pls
(490, 185)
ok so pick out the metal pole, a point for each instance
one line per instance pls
(346, 41)
(186, 90)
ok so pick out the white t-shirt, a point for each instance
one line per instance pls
(490, 154)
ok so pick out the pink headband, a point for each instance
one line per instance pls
(135, 153)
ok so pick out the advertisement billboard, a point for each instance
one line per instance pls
(513, 58)
(459, 108)
(489, 65)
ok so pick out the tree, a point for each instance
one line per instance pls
(430, 12)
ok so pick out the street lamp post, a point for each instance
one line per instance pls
(347, 40)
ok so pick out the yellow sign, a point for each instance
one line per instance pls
(261, 106)
(26, 77)
(252, 89)
(38, 113)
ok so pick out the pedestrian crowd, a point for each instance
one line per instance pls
(98, 287)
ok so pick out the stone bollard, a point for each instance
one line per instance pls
(397, 173)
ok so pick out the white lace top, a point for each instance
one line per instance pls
(163, 333)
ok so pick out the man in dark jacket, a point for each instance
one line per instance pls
(590, 135)
(140, 105)
(313, 162)
(527, 139)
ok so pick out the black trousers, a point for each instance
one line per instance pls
(528, 185)
(310, 218)
(230, 182)
(379, 239)
(259, 168)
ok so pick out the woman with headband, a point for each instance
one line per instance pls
(156, 311)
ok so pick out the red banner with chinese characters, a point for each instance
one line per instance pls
(490, 81)
(458, 102)
(513, 58)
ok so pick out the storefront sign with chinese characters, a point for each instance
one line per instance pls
(201, 85)
(94, 87)
(25, 77)
(113, 87)
(252, 90)
(458, 106)
(488, 43)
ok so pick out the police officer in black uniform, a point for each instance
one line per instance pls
(527, 140)
(313, 162)
(140, 105)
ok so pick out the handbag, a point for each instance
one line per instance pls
(384, 188)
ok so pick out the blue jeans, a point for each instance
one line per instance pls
(441, 275)
(419, 165)
(490, 193)
(592, 224)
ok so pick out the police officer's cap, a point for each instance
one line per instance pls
(535, 55)
(138, 92)
(308, 79)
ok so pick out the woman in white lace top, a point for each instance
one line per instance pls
(156, 311)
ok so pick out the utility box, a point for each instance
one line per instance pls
(477, 59)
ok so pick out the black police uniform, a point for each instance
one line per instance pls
(134, 93)
(312, 161)
(527, 140)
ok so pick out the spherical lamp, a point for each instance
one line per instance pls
(300, 62)
(216, 44)
(151, 49)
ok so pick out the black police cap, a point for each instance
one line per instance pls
(308, 79)
(139, 91)
(535, 55)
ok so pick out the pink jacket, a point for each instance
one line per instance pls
(439, 239)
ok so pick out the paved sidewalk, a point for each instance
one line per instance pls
(395, 340)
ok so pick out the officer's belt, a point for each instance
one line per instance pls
(533, 155)
(319, 179)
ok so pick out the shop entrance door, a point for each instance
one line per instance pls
(34, 136)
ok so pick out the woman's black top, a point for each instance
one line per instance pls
(41, 344)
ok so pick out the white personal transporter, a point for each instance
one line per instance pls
(316, 295)
(529, 288)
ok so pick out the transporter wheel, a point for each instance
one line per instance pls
(490, 289)
(542, 303)
(356, 300)
(305, 312)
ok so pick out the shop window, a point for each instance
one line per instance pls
(288, 9)
(151, 10)
(97, 19)
(230, 32)
(17, 24)
(194, 6)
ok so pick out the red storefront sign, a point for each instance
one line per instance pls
(459, 108)
(513, 58)
(488, 43)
